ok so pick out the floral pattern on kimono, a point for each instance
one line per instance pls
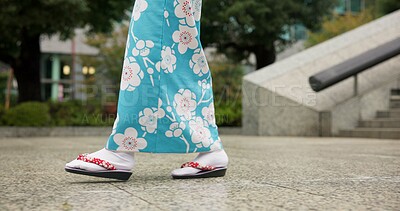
(166, 100)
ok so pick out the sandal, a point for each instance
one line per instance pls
(205, 171)
(110, 172)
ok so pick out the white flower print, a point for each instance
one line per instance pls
(131, 74)
(204, 84)
(199, 63)
(129, 141)
(142, 48)
(114, 130)
(175, 129)
(186, 37)
(200, 134)
(148, 117)
(148, 120)
(140, 6)
(217, 145)
(209, 114)
(168, 61)
(185, 104)
(184, 9)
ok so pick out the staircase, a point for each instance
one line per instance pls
(386, 125)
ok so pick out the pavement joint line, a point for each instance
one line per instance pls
(324, 196)
(327, 197)
(140, 198)
(290, 188)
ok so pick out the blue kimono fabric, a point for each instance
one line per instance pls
(166, 100)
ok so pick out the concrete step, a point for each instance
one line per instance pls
(380, 123)
(395, 92)
(392, 113)
(395, 97)
(383, 133)
(394, 103)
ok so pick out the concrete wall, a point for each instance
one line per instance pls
(363, 107)
(278, 99)
(267, 113)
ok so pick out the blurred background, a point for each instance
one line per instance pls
(61, 60)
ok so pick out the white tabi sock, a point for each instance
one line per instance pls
(215, 158)
(121, 160)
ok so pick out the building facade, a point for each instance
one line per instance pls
(63, 73)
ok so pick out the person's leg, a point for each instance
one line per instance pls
(212, 155)
(134, 128)
(166, 100)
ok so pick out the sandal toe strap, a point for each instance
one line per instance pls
(97, 161)
(198, 166)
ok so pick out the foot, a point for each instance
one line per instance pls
(120, 160)
(215, 159)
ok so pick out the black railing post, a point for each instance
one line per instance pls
(355, 85)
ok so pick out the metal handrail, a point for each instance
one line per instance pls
(354, 66)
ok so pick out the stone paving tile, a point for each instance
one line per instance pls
(375, 192)
(265, 173)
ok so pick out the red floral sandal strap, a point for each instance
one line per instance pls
(197, 166)
(97, 161)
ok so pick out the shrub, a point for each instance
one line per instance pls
(2, 112)
(28, 114)
(227, 83)
(75, 113)
(339, 24)
(228, 114)
(3, 85)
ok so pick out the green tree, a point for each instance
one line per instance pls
(22, 23)
(111, 49)
(238, 28)
(339, 24)
(387, 6)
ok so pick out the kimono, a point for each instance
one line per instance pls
(166, 100)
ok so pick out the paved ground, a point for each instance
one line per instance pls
(264, 174)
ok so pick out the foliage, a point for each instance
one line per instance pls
(227, 83)
(228, 114)
(111, 47)
(48, 17)
(71, 113)
(22, 23)
(338, 25)
(387, 6)
(27, 114)
(75, 113)
(2, 113)
(239, 27)
(3, 89)
(3, 86)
